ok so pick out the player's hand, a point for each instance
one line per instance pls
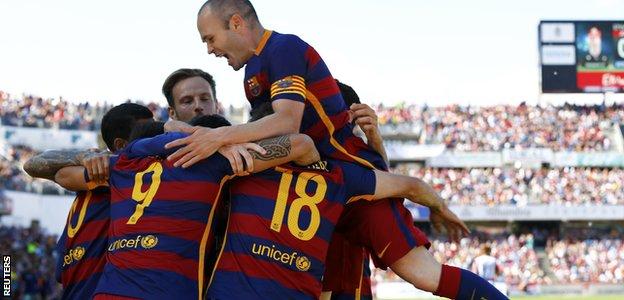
(175, 125)
(202, 143)
(96, 164)
(445, 218)
(365, 117)
(240, 158)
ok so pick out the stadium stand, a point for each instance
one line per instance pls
(530, 259)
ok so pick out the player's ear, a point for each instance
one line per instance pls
(172, 113)
(119, 144)
(236, 22)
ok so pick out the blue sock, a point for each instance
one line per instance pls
(456, 283)
(473, 287)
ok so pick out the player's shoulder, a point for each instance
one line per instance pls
(283, 41)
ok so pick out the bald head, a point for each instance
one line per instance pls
(225, 9)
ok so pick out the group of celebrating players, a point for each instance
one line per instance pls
(172, 210)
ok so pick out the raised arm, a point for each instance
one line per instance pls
(365, 117)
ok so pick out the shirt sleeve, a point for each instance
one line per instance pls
(359, 181)
(154, 146)
(92, 185)
(287, 69)
(218, 164)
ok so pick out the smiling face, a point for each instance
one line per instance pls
(225, 38)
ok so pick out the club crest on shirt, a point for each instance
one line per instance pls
(253, 86)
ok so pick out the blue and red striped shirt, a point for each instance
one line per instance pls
(160, 221)
(83, 243)
(286, 67)
(280, 226)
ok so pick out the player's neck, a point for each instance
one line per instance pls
(256, 34)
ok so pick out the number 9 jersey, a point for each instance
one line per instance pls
(280, 225)
(160, 222)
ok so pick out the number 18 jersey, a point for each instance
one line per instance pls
(280, 225)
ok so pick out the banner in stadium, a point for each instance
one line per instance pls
(528, 213)
(466, 160)
(538, 212)
(43, 139)
(589, 159)
(531, 157)
(401, 152)
(50, 211)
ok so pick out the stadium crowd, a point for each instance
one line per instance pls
(493, 128)
(493, 186)
(33, 260)
(589, 259)
(57, 113)
(13, 177)
(595, 258)
(33, 111)
(463, 128)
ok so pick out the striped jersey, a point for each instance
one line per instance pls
(286, 67)
(280, 225)
(160, 221)
(82, 245)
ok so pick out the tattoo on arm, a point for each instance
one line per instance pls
(46, 164)
(276, 147)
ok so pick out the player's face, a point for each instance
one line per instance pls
(192, 97)
(224, 42)
(595, 42)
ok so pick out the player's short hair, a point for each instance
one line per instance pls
(348, 94)
(210, 121)
(487, 249)
(181, 74)
(227, 8)
(119, 121)
(146, 130)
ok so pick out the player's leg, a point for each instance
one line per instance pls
(346, 275)
(385, 228)
(419, 268)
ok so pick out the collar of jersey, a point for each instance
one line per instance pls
(265, 37)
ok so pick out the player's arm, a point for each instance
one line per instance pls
(298, 148)
(261, 155)
(390, 185)
(73, 178)
(203, 142)
(48, 163)
(365, 117)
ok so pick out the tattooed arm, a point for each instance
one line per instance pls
(255, 157)
(298, 148)
(271, 152)
(46, 164)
